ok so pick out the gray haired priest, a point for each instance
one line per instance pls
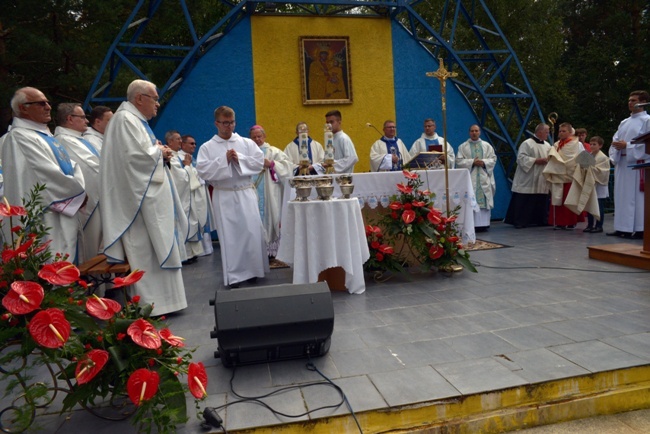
(140, 203)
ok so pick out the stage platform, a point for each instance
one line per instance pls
(541, 334)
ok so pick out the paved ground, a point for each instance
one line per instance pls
(537, 311)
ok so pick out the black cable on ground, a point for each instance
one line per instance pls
(213, 419)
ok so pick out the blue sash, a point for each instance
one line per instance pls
(60, 154)
(152, 136)
(393, 149)
(90, 147)
(311, 160)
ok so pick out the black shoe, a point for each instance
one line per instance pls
(588, 229)
(570, 227)
(614, 234)
(555, 228)
(637, 236)
(252, 280)
(596, 230)
(626, 235)
(234, 285)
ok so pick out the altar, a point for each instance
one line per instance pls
(374, 189)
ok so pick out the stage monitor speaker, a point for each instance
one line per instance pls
(269, 323)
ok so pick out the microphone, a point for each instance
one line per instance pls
(643, 104)
(369, 125)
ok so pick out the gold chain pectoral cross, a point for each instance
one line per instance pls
(443, 74)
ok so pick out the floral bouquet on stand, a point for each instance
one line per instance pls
(431, 239)
(102, 355)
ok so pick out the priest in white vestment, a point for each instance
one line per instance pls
(228, 163)
(478, 157)
(628, 191)
(98, 121)
(430, 141)
(268, 184)
(315, 152)
(72, 122)
(389, 153)
(140, 204)
(30, 156)
(345, 156)
(201, 221)
(178, 167)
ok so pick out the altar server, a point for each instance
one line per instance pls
(345, 156)
(140, 203)
(228, 162)
(30, 156)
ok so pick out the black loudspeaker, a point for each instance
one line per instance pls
(269, 323)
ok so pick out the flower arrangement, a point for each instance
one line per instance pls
(105, 352)
(382, 255)
(429, 236)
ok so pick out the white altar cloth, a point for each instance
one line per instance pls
(373, 190)
(318, 235)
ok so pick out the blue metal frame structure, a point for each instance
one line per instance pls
(466, 37)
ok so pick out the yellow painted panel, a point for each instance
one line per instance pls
(276, 69)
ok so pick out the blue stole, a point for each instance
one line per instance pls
(433, 145)
(60, 154)
(90, 147)
(152, 136)
(393, 149)
(311, 160)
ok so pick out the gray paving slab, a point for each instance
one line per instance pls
(412, 385)
(479, 375)
(531, 337)
(539, 365)
(597, 356)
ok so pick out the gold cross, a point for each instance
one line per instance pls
(442, 73)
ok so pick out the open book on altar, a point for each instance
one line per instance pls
(428, 160)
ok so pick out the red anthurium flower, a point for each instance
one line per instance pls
(418, 203)
(376, 229)
(23, 297)
(408, 206)
(426, 193)
(379, 256)
(374, 245)
(7, 210)
(436, 251)
(144, 334)
(90, 364)
(102, 308)
(386, 249)
(49, 328)
(174, 341)
(142, 385)
(410, 175)
(130, 279)
(368, 230)
(406, 189)
(59, 273)
(408, 216)
(197, 380)
(395, 205)
(452, 239)
(394, 215)
(42, 247)
(434, 218)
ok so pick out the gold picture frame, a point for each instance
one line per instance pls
(325, 73)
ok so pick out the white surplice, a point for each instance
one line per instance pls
(628, 199)
(27, 160)
(90, 241)
(345, 156)
(234, 204)
(529, 178)
(200, 217)
(139, 208)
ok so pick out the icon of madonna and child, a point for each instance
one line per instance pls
(326, 70)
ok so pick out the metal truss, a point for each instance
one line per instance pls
(461, 32)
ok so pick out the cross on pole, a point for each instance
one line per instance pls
(443, 75)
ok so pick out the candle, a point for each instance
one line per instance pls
(329, 142)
